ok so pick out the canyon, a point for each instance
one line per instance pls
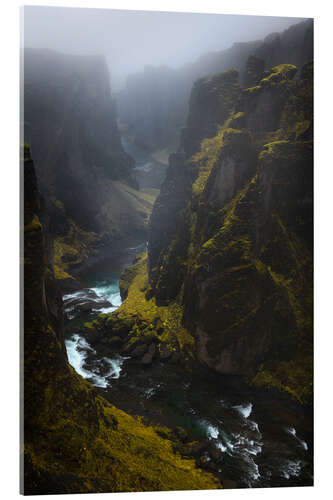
(155, 289)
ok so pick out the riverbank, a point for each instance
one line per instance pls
(248, 437)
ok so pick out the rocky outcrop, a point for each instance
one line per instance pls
(235, 249)
(87, 180)
(154, 103)
(171, 219)
(228, 279)
(74, 440)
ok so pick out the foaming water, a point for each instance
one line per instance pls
(212, 432)
(291, 468)
(292, 432)
(74, 295)
(77, 348)
(244, 410)
(252, 450)
(243, 446)
(109, 291)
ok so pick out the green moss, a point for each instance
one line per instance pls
(248, 279)
(210, 153)
(252, 91)
(206, 159)
(101, 448)
(294, 377)
(123, 203)
(77, 442)
(273, 150)
(33, 225)
(72, 249)
(59, 204)
(279, 73)
(144, 318)
(127, 277)
(297, 114)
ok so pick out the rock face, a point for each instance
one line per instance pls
(87, 180)
(74, 440)
(231, 231)
(157, 116)
(70, 124)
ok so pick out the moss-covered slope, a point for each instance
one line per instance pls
(157, 117)
(248, 290)
(142, 327)
(231, 232)
(75, 441)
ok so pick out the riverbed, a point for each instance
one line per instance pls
(262, 438)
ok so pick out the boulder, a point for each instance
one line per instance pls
(138, 351)
(181, 434)
(149, 355)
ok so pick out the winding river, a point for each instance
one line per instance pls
(262, 438)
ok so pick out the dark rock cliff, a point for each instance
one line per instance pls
(87, 180)
(70, 123)
(154, 103)
(231, 231)
(74, 440)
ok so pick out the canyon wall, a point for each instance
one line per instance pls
(74, 440)
(86, 178)
(231, 231)
(157, 116)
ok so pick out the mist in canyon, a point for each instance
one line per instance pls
(168, 265)
(131, 40)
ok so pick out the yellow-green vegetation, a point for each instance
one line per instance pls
(206, 158)
(74, 440)
(297, 114)
(151, 192)
(59, 204)
(128, 276)
(253, 256)
(146, 319)
(125, 209)
(209, 154)
(293, 377)
(291, 103)
(145, 198)
(283, 273)
(252, 91)
(73, 248)
(227, 88)
(89, 445)
(25, 152)
(279, 73)
(33, 225)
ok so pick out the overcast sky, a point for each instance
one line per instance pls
(132, 39)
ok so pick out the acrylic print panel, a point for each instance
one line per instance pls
(168, 217)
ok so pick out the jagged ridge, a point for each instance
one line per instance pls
(74, 440)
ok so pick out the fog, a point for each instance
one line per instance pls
(131, 40)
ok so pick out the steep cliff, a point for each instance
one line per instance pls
(74, 440)
(238, 249)
(86, 178)
(228, 279)
(157, 116)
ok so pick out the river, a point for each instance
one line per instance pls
(262, 438)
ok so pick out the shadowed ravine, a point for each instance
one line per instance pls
(261, 439)
(255, 438)
(168, 270)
